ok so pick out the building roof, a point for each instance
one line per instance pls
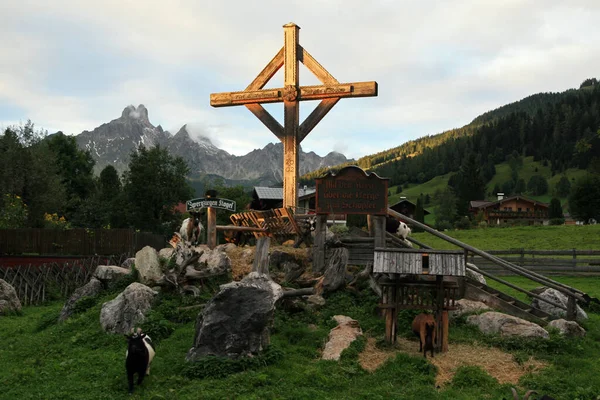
(267, 193)
(510, 198)
(405, 201)
(479, 203)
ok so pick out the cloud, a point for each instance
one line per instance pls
(73, 65)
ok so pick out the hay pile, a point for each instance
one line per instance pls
(496, 363)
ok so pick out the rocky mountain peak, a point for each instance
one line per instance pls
(139, 113)
(112, 143)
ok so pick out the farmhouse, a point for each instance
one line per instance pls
(407, 207)
(511, 209)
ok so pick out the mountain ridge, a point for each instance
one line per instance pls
(111, 144)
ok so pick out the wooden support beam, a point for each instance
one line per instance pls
(267, 73)
(317, 92)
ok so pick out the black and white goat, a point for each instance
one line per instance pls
(398, 228)
(139, 355)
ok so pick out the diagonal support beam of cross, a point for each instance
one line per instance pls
(292, 132)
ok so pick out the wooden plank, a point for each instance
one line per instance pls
(278, 95)
(316, 116)
(267, 119)
(268, 72)
(315, 67)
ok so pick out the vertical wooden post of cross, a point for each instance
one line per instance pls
(291, 114)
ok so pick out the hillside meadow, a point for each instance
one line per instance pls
(42, 359)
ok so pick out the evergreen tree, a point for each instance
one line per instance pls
(520, 187)
(563, 187)
(538, 185)
(153, 185)
(584, 200)
(555, 211)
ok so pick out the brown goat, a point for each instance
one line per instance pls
(424, 327)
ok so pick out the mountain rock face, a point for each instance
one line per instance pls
(112, 142)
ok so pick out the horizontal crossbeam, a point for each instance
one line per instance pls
(319, 92)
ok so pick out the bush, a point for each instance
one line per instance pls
(557, 221)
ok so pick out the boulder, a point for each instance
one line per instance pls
(315, 301)
(9, 302)
(90, 289)
(340, 337)
(567, 328)
(473, 274)
(148, 265)
(106, 273)
(506, 325)
(278, 258)
(559, 298)
(167, 253)
(128, 309)
(464, 306)
(128, 263)
(236, 321)
(214, 262)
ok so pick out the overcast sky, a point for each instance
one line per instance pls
(73, 65)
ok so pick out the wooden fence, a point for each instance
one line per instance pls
(548, 262)
(80, 242)
(563, 262)
(35, 284)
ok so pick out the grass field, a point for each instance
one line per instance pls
(558, 237)
(41, 359)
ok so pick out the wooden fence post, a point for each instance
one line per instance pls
(261, 255)
(571, 309)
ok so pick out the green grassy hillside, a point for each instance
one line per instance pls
(503, 174)
(559, 237)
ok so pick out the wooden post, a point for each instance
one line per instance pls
(261, 255)
(370, 227)
(571, 309)
(378, 223)
(211, 229)
(291, 115)
(445, 331)
(319, 245)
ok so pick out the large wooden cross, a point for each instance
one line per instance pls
(292, 132)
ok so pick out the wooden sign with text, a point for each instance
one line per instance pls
(352, 191)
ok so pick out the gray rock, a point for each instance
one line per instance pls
(9, 302)
(167, 253)
(559, 298)
(315, 301)
(567, 328)
(107, 273)
(236, 321)
(464, 306)
(128, 263)
(148, 265)
(506, 325)
(128, 309)
(214, 262)
(90, 289)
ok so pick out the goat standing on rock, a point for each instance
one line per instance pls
(424, 327)
(139, 355)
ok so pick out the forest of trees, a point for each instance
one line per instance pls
(558, 129)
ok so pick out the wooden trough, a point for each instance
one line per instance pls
(419, 280)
